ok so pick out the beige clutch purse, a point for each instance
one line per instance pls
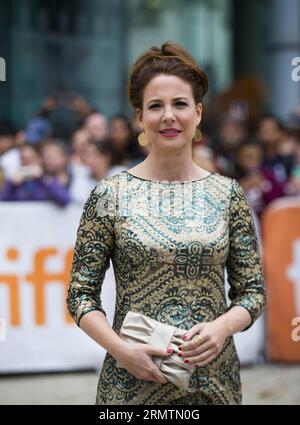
(142, 329)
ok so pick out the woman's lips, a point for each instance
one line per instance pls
(170, 133)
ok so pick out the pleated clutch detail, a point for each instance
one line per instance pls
(138, 328)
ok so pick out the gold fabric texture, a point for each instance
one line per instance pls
(169, 244)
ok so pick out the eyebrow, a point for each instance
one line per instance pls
(176, 98)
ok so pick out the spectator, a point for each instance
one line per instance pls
(99, 160)
(231, 134)
(127, 151)
(293, 185)
(38, 130)
(204, 157)
(56, 162)
(30, 184)
(270, 133)
(258, 182)
(80, 141)
(9, 153)
(96, 124)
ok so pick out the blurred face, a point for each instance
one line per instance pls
(54, 159)
(95, 160)
(203, 156)
(169, 116)
(250, 157)
(29, 156)
(232, 135)
(268, 132)
(119, 132)
(80, 141)
(96, 124)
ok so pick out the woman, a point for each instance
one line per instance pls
(168, 260)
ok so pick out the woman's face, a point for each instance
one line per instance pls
(170, 115)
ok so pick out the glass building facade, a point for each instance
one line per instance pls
(88, 46)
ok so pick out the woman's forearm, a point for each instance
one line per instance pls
(235, 320)
(97, 327)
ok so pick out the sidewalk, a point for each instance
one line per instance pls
(263, 384)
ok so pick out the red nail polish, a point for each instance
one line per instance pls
(180, 354)
(186, 361)
(169, 350)
(196, 365)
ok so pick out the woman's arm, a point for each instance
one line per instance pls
(93, 249)
(95, 325)
(244, 262)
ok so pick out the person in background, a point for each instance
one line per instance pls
(55, 157)
(231, 134)
(29, 183)
(203, 156)
(9, 153)
(79, 142)
(97, 159)
(270, 134)
(126, 149)
(38, 130)
(293, 184)
(97, 125)
(258, 182)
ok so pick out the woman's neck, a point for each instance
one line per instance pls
(172, 168)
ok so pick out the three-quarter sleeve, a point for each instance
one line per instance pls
(244, 261)
(93, 250)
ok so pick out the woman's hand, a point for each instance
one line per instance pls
(137, 359)
(212, 334)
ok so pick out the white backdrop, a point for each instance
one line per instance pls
(35, 239)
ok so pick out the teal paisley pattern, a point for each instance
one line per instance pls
(169, 244)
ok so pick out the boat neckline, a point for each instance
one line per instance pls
(168, 183)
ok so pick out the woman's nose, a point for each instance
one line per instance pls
(168, 114)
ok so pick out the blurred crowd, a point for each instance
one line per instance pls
(68, 146)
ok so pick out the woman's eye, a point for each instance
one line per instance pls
(155, 105)
(181, 104)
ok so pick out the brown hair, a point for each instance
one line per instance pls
(171, 59)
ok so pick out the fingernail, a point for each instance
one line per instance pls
(186, 361)
(169, 350)
(196, 365)
(180, 354)
(185, 337)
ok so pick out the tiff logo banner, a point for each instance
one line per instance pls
(2, 69)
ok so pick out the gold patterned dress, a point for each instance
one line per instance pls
(169, 244)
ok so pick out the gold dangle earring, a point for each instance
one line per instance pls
(143, 141)
(198, 135)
